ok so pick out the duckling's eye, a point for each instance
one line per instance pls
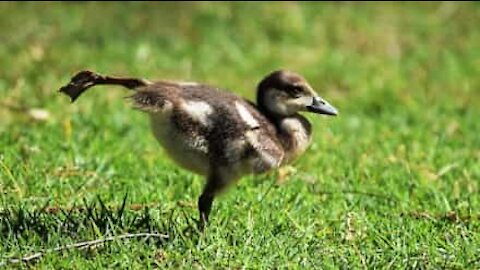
(295, 91)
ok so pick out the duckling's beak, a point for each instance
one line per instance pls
(321, 106)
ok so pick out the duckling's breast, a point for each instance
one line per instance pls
(296, 135)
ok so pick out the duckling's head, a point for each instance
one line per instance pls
(283, 93)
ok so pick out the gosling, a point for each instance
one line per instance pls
(218, 134)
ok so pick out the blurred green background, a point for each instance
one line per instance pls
(393, 180)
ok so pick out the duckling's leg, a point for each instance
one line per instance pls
(213, 186)
(86, 79)
(205, 205)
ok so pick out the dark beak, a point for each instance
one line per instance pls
(321, 106)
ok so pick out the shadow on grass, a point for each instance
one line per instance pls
(82, 223)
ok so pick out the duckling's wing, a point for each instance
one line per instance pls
(261, 137)
(242, 137)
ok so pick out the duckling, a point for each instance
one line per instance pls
(217, 134)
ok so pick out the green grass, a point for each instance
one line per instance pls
(392, 182)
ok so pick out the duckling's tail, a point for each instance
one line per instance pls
(83, 80)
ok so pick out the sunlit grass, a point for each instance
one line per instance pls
(392, 181)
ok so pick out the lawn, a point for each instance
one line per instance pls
(392, 182)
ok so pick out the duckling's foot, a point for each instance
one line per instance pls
(80, 83)
(86, 79)
(201, 225)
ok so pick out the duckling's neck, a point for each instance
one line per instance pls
(294, 133)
